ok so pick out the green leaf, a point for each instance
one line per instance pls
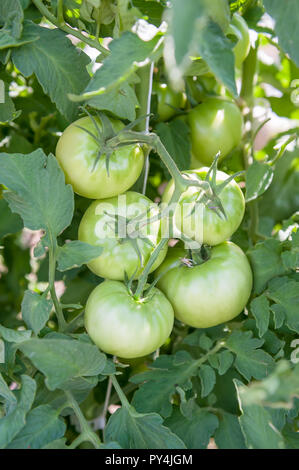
(291, 438)
(7, 394)
(60, 359)
(259, 176)
(260, 308)
(266, 262)
(216, 50)
(75, 253)
(285, 293)
(42, 427)
(140, 431)
(7, 108)
(229, 434)
(127, 54)
(9, 222)
(277, 390)
(250, 361)
(7, 39)
(195, 430)
(225, 361)
(37, 191)
(167, 373)
(35, 310)
(175, 137)
(11, 17)
(14, 336)
(12, 423)
(120, 101)
(57, 444)
(207, 378)
(59, 67)
(286, 16)
(257, 425)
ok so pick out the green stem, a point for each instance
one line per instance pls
(52, 267)
(86, 432)
(120, 393)
(67, 29)
(153, 258)
(60, 17)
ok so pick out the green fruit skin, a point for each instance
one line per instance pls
(239, 29)
(213, 229)
(210, 293)
(76, 152)
(118, 256)
(168, 100)
(121, 326)
(215, 125)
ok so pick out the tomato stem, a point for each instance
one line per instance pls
(52, 267)
(120, 393)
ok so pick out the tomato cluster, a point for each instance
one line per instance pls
(202, 286)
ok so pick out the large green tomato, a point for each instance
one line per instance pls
(168, 100)
(209, 293)
(77, 151)
(203, 224)
(120, 325)
(216, 125)
(239, 29)
(98, 228)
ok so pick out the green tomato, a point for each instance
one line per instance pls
(120, 325)
(98, 228)
(77, 151)
(168, 100)
(216, 125)
(210, 293)
(239, 29)
(200, 223)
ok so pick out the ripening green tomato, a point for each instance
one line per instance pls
(77, 151)
(120, 325)
(168, 100)
(239, 29)
(216, 125)
(203, 224)
(210, 293)
(98, 228)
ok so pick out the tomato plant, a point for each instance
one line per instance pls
(105, 223)
(149, 227)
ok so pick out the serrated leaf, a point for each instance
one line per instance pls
(35, 310)
(260, 308)
(10, 222)
(11, 16)
(161, 382)
(207, 378)
(126, 54)
(225, 361)
(259, 176)
(7, 394)
(42, 427)
(229, 434)
(14, 421)
(75, 253)
(59, 67)
(194, 431)
(250, 361)
(140, 431)
(175, 137)
(256, 424)
(8, 40)
(14, 336)
(266, 262)
(285, 293)
(121, 101)
(61, 360)
(286, 16)
(37, 191)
